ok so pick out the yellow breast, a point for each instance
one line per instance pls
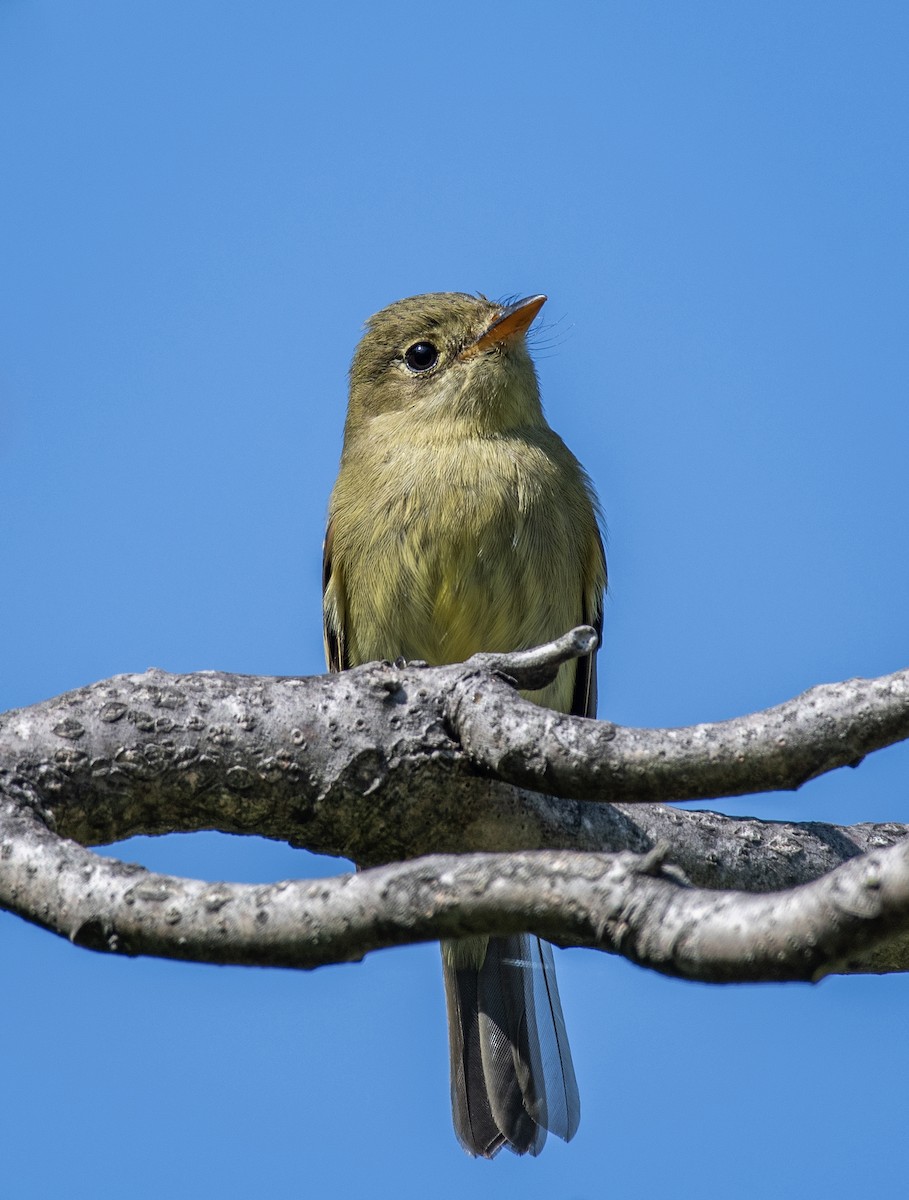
(491, 548)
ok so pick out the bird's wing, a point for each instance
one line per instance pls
(332, 608)
(584, 700)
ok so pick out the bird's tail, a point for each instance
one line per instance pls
(512, 1077)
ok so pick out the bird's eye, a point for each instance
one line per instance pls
(421, 356)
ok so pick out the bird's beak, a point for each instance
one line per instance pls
(511, 322)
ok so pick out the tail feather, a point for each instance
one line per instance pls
(475, 1126)
(561, 1113)
(512, 1078)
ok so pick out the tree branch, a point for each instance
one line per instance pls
(622, 903)
(386, 763)
(781, 748)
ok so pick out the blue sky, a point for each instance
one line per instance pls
(201, 204)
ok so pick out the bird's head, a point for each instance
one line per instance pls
(447, 356)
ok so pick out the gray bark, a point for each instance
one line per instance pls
(518, 819)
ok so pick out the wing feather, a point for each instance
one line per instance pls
(584, 700)
(333, 607)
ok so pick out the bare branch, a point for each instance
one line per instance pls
(356, 764)
(623, 903)
(386, 763)
(535, 668)
(829, 726)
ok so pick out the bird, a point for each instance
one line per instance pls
(460, 522)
